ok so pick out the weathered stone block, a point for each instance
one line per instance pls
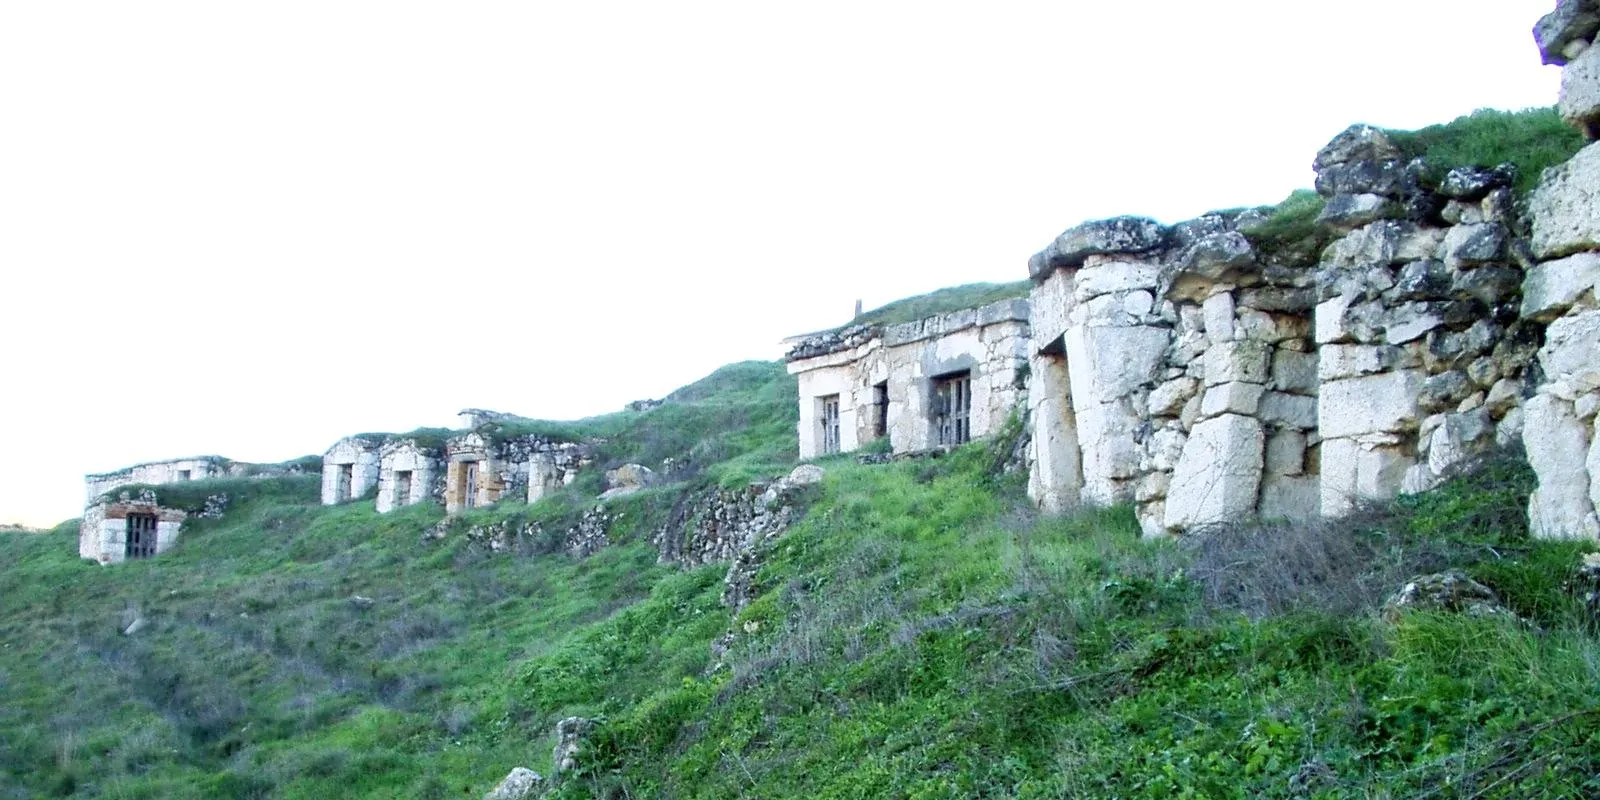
(1566, 207)
(1580, 92)
(1246, 361)
(1167, 399)
(1114, 276)
(1557, 444)
(1109, 363)
(1218, 310)
(1286, 452)
(1339, 361)
(1289, 497)
(1468, 246)
(1370, 404)
(1292, 410)
(1552, 287)
(1293, 371)
(1218, 479)
(1232, 398)
(1460, 437)
(1120, 235)
(1355, 210)
(1573, 20)
(1571, 351)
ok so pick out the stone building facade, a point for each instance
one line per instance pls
(155, 473)
(408, 473)
(350, 469)
(934, 382)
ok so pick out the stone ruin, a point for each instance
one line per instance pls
(350, 469)
(939, 381)
(119, 527)
(409, 472)
(1189, 371)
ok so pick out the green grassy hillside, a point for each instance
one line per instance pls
(920, 633)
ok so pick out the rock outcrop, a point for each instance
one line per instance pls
(521, 784)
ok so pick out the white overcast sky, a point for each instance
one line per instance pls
(251, 228)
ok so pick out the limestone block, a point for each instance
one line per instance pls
(1152, 516)
(1339, 361)
(1289, 497)
(1294, 371)
(1587, 406)
(1459, 438)
(1290, 410)
(1442, 391)
(1380, 471)
(1467, 246)
(1566, 207)
(1509, 431)
(1360, 143)
(1099, 237)
(1244, 360)
(1370, 404)
(1504, 395)
(1233, 397)
(1355, 210)
(1108, 363)
(1137, 304)
(1483, 372)
(1580, 92)
(1571, 351)
(1166, 447)
(1552, 287)
(1473, 402)
(1383, 243)
(1110, 277)
(1167, 399)
(1153, 487)
(1410, 322)
(1218, 310)
(1110, 453)
(1329, 320)
(1286, 452)
(1558, 447)
(1572, 21)
(1218, 479)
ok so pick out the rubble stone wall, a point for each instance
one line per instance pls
(103, 535)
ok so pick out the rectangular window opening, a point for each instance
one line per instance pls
(830, 424)
(183, 475)
(952, 409)
(141, 539)
(880, 410)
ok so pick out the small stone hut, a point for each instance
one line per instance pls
(350, 469)
(939, 381)
(409, 472)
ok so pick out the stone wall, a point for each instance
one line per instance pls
(155, 473)
(902, 362)
(1422, 350)
(1560, 426)
(350, 469)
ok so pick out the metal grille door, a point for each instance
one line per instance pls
(141, 535)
